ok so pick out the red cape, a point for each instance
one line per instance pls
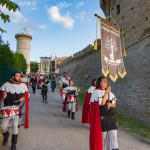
(96, 141)
(86, 109)
(26, 125)
(61, 92)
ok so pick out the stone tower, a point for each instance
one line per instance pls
(23, 46)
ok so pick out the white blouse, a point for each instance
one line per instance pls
(99, 94)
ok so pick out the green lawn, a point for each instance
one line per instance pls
(125, 122)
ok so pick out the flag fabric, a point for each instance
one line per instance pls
(111, 51)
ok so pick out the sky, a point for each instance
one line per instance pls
(58, 27)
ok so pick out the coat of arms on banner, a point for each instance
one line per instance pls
(111, 51)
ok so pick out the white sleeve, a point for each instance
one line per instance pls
(65, 89)
(3, 87)
(89, 90)
(100, 96)
(113, 98)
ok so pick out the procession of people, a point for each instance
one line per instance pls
(98, 109)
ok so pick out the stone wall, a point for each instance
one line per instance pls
(83, 66)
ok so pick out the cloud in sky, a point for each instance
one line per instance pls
(82, 17)
(41, 26)
(30, 6)
(64, 5)
(17, 16)
(80, 4)
(65, 20)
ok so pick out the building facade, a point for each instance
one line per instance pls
(44, 65)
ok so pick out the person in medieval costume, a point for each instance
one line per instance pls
(33, 83)
(13, 93)
(45, 80)
(53, 83)
(65, 83)
(44, 92)
(86, 107)
(71, 99)
(103, 121)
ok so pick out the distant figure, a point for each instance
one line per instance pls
(44, 92)
(33, 83)
(53, 83)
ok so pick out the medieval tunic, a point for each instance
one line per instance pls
(44, 92)
(86, 106)
(15, 91)
(102, 120)
(64, 84)
(71, 98)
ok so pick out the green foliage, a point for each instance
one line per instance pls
(82, 94)
(34, 66)
(10, 6)
(6, 55)
(10, 59)
(20, 62)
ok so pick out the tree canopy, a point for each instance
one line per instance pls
(34, 66)
(10, 59)
(9, 6)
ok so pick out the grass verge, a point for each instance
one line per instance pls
(125, 122)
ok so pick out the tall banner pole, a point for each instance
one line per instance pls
(109, 68)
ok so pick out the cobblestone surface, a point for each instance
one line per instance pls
(50, 129)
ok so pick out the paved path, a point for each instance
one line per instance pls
(50, 129)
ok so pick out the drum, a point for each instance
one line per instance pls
(9, 111)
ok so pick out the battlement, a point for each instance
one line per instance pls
(80, 54)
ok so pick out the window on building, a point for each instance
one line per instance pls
(118, 9)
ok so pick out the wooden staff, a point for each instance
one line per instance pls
(109, 67)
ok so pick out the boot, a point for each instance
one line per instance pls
(14, 142)
(6, 135)
(72, 117)
(45, 101)
(69, 114)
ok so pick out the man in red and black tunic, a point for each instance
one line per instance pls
(14, 93)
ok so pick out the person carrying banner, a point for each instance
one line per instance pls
(13, 94)
(103, 121)
(71, 99)
(86, 106)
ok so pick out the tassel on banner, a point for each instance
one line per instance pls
(95, 43)
(124, 50)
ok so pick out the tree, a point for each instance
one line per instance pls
(20, 62)
(10, 59)
(6, 55)
(9, 6)
(34, 66)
